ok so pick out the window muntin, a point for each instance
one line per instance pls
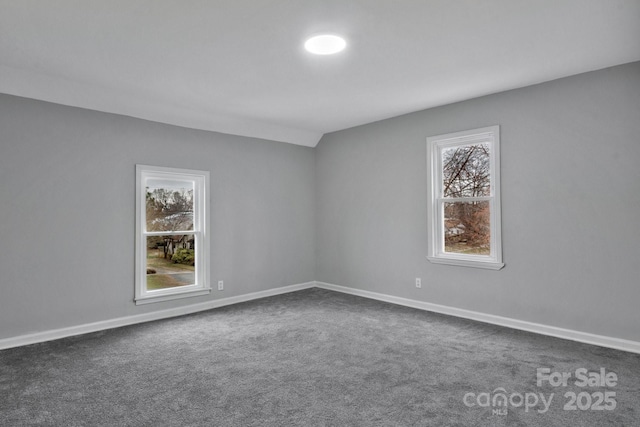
(172, 240)
(464, 199)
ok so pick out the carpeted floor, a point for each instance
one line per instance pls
(313, 358)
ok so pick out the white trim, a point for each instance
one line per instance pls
(55, 334)
(436, 200)
(201, 220)
(489, 265)
(538, 328)
(184, 292)
(568, 334)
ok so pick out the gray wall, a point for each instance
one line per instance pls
(351, 212)
(570, 205)
(67, 220)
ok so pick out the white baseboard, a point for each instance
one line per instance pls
(146, 317)
(568, 334)
(583, 337)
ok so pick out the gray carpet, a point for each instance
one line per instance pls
(308, 358)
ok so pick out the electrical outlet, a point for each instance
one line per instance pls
(220, 285)
(418, 282)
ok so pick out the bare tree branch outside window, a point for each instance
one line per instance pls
(466, 173)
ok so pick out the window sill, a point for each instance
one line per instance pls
(489, 265)
(147, 299)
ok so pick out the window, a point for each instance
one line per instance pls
(464, 198)
(172, 238)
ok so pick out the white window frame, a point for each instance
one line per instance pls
(435, 199)
(200, 231)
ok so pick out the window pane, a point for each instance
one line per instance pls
(467, 228)
(170, 261)
(169, 205)
(466, 171)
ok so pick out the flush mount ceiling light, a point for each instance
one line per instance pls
(325, 44)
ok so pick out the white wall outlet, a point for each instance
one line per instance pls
(418, 282)
(220, 285)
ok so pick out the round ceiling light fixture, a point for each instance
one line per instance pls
(325, 44)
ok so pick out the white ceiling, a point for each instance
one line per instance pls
(239, 67)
